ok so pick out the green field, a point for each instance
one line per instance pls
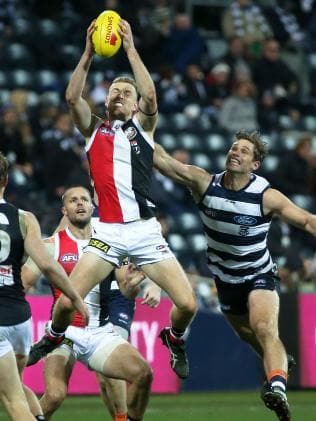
(225, 406)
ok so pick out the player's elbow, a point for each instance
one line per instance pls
(72, 97)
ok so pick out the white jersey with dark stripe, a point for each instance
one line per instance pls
(121, 161)
(236, 230)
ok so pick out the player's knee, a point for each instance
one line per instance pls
(102, 382)
(143, 376)
(56, 397)
(65, 303)
(188, 305)
(263, 330)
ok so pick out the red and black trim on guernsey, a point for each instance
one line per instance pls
(121, 165)
(67, 255)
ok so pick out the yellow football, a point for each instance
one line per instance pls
(106, 38)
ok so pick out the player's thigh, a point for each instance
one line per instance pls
(125, 363)
(58, 367)
(170, 276)
(90, 270)
(264, 308)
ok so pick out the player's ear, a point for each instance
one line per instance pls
(63, 211)
(256, 165)
(135, 108)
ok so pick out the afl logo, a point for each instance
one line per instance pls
(245, 220)
(69, 258)
(105, 130)
(130, 133)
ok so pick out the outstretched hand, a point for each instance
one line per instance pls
(89, 45)
(127, 36)
(151, 295)
(81, 307)
(134, 276)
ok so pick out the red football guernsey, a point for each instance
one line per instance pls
(121, 163)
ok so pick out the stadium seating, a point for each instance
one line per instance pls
(201, 160)
(47, 80)
(21, 79)
(216, 142)
(168, 141)
(197, 243)
(270, 163)
(189, 141)
(304, 201)
(17, 55)
(187, 223)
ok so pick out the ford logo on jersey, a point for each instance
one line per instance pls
(245, 220)
(69, 258)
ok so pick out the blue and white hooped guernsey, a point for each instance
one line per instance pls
(236, 230)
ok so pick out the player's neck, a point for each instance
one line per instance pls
(80, 233)
(235, 181)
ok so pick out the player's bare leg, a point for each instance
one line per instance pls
(170, 276)
(126, 363)
(263, 317)
(11, 390)
(114, 395)
(57, 372)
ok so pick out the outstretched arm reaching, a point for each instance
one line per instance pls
(195, 178)
(79, 108)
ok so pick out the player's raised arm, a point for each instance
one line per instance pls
(277, 203)
(148, 114)
(79, 108)
(195, 178)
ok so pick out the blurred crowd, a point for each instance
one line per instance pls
(257, 71)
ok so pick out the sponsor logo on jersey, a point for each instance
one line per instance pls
(243, 231)
(6, 275)
(123, 316)
(245, 220)
(161, 247)
(211, 212)
(106, 130)
(69, 258)
(135, 146)
(98, 244)
(130, 133)
(259, 283)
(6, 270)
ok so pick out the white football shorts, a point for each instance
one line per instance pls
(86, 343)
(140, 240)
(16, 338)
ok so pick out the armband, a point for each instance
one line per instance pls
(147, 114)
